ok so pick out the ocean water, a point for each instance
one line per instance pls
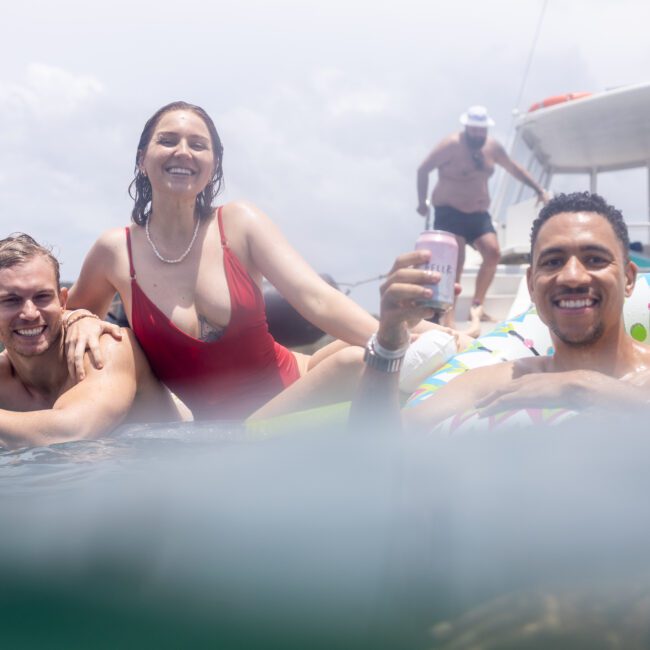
(203, 536)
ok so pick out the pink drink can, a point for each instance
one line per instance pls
(444, 259)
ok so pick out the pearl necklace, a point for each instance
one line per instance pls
(178, 259)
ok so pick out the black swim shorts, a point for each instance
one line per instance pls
(468, 225)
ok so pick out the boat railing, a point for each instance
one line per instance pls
(636, 226)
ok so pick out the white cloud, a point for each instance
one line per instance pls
(324, 176)
(325, 108)
(360, 102)
(49, 92)
(60, 161)
(344, 96)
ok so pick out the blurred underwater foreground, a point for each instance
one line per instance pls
(201, 536)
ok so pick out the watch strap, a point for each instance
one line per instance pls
(375, 357)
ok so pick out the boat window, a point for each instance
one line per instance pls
(626, 189)
(569, 183)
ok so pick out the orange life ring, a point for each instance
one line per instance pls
(557, 99)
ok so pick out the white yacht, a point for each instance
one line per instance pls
(566, 143)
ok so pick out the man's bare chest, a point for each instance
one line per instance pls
(16, 397)
(464, 167)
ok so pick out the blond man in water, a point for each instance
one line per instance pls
(40, 402)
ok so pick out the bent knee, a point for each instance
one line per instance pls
(491, 256)
(350, 356)
(348, 360)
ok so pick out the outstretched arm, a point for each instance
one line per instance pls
(306, 291)
(516, 170)
(85, 411)
(376, 404)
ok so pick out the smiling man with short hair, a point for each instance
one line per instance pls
(40, 403)
(579, 277)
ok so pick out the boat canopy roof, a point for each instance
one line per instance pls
(607, 131)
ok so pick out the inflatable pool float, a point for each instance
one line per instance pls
(472, 422)
(515, 338)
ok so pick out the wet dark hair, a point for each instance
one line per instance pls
(582, 202)
(19, 248)
(140, 187)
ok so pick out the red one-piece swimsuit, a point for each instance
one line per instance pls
(224, 379)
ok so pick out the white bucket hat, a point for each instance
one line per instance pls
(476, 116)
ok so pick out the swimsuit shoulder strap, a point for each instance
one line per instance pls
(128, 248)
(224, 241)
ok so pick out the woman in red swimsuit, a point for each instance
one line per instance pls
(189, 276)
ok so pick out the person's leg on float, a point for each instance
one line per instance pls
(307, 362)
(332, 380)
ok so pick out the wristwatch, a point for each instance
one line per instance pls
(381, 359)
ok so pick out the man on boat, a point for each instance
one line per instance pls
(579, 277)
(465, 161)
(40, 403)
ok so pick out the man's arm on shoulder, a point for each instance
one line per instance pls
(87, 410)
(516, 170)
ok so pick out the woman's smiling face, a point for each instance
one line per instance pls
(179, 158)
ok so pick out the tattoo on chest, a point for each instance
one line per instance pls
(208, 333)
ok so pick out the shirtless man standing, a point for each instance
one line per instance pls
(40, 403)
(579, 277)
(465, 161)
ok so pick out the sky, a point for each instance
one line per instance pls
(325, 109)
